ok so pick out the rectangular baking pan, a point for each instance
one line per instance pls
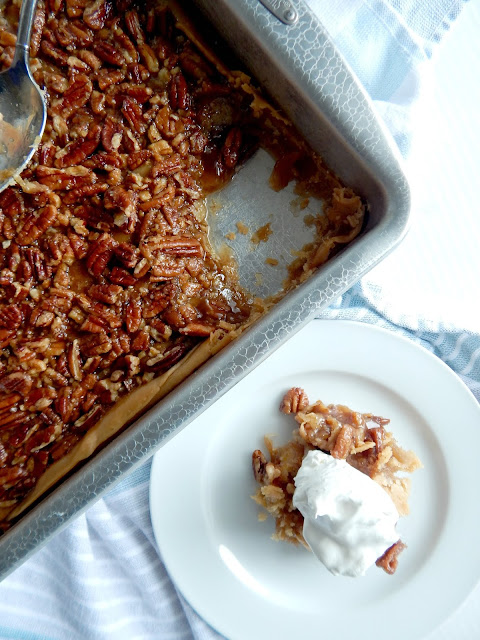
(299, 67)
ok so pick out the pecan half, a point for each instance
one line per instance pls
(294, 400)
(99, 254)
(343, 443)
(11, 316)
(178, 92)
(108, 53)
(259, 463)
(231, 147)
(36, 225)
(18, 382)
(96, 13)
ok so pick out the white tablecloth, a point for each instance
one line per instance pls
(103, 577)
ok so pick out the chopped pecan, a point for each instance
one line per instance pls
(294, 400)
(127, 47)
(9, 401)
(133, 25)
(75, 8)
(82, 35)
(85, 422)
(6, 335)
(75, 153)
(76, 96)
(148, 57)
(40, 399)
(99, 254)
(95, 14)
(121, 276)
(77, 64)
(108, 53)
(170, 357)
(140, 93)
(178, 92)
(41, 438)
(37, 30)
(231, 148)
(119, 199)
(11, 316)
(86, 191)
(74, 361)
(161, 199)
(6, 277)
(7, 39)
(64, 179)
(200, 329)
(58, 56)
(63, 446)
(177, 245)
(128, 254)
(389, 560)
(18, 382)
(134, 115)
(90, 58)
(137, 72)
(35, 225)
(41, 318)
(133, 315)
(106, 161)
(343, 443)
(9, 476)
(96, 344)
(138, 158)
(107, 293)
(168, 166)
(108, 77)
(97, 102)
(36, 260)
(259, 462)
(377, 434)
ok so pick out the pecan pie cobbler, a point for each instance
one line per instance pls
(110, 293)
(359, 438)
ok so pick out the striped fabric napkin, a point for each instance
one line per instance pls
(103, 576)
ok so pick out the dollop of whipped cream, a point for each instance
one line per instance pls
(349, 520)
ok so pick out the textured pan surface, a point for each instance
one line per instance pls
(304, 73)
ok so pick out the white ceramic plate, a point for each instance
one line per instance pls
(246, 585)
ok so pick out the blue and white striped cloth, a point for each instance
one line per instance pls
(103, 577)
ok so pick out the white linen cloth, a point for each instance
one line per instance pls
(103, 577)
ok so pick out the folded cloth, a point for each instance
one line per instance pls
(387, 43)
(103, 576)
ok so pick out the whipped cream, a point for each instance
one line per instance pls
(349, 520)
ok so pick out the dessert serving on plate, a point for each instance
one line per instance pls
(336, 487)
(110, 293)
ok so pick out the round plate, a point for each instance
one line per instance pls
(245, 584)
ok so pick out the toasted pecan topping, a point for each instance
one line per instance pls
(106, 274)
(106, 277)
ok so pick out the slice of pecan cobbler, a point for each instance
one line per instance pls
(359, 438)
(108, 283)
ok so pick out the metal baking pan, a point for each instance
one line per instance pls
(298, 65)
